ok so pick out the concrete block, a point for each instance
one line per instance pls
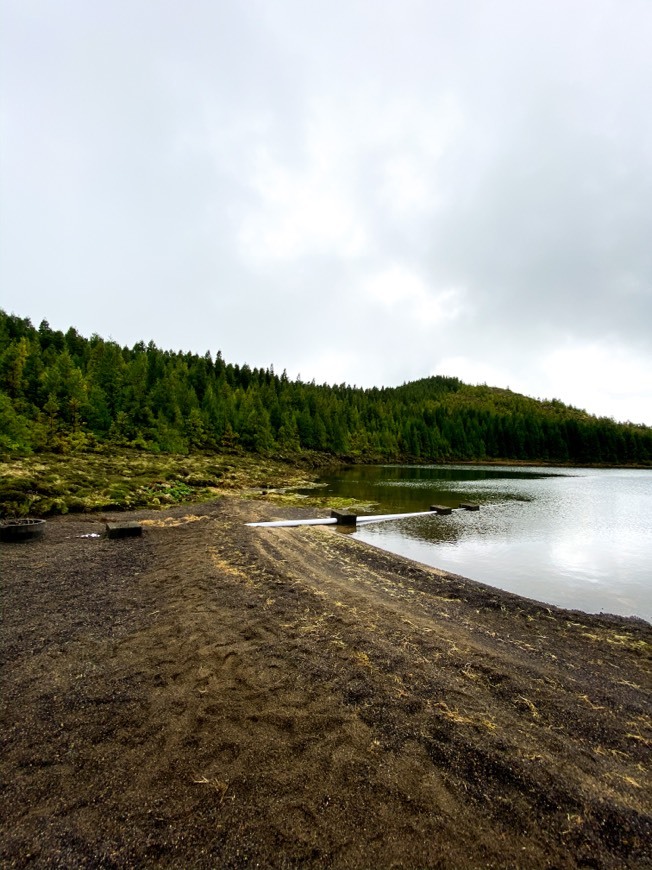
(344, 518)
(124, 530)
(441, 508)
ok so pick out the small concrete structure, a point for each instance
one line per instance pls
(441, 509)
(124, 530)
(344, 518)
(469, 507)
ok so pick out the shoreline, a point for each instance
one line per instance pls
(52, 484)
(533, 463)
(515, 597)
(217, 695)
(545, 464)
(539, 602)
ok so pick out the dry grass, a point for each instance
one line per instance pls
(460, 719)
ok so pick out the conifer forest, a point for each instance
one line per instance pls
(62, 392)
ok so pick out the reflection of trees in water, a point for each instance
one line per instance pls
(435, 529)
(407, 488)
(448, 473)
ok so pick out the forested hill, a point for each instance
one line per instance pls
(64, 392)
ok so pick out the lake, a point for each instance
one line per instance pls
(579, 538)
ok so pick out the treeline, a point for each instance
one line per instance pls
(61, 391)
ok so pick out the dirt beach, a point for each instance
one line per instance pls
(212, 695)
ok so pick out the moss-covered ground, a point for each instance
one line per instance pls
(120, 479)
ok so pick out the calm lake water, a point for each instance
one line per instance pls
(575, 537)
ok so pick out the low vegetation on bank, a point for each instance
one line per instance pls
(125, 479)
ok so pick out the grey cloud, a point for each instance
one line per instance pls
(238, 173)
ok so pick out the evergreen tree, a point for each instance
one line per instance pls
(57, 389)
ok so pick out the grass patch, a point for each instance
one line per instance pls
(124, 479)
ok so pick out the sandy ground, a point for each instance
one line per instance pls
(211, 695)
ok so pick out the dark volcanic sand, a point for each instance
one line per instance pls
(212, 695)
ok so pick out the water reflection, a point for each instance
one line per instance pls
(580, 538)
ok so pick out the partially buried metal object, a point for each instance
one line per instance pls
(17, 531)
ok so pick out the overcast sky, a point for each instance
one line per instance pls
(369, 192)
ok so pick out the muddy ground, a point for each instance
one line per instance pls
(212, 695)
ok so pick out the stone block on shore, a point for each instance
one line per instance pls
(344, 518)
(124, 530)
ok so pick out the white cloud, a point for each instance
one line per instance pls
(300, 213)
(405, 296)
